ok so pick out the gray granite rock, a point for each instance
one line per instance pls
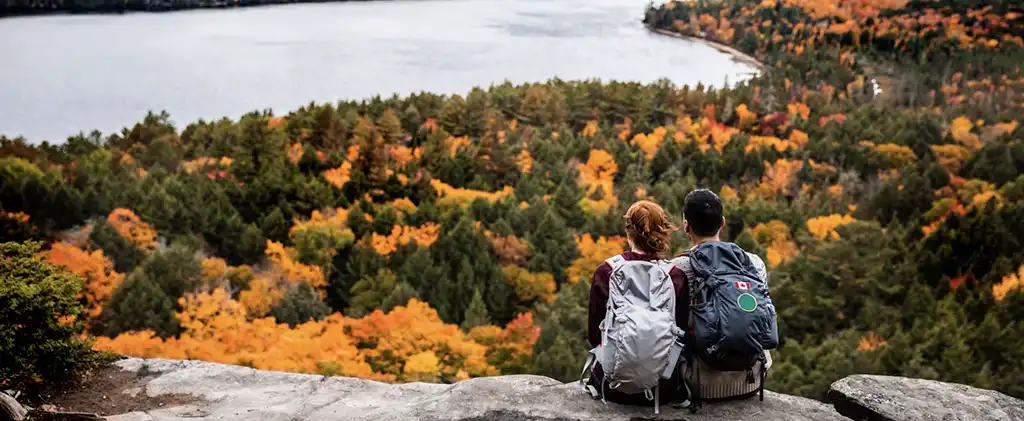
(886, 398)
(229, 393)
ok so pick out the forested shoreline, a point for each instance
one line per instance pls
(43, 7)
(437, 238)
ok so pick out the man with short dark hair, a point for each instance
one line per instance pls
(703, 221)
(703, 213)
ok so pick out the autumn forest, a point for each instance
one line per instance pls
(876, 166)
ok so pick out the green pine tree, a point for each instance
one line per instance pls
(555, 247)
(121, 252)
(36, 347)
(300, 305)
(370, 292)
(177, 270)
(399, 296)
(139, 304)
(561, 349)
(476, 313)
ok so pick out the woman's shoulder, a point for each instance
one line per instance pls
(604, 270)
(762, 269)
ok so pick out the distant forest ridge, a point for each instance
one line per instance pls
(36, 7)
(436, 238)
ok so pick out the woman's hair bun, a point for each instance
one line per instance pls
(649, 227)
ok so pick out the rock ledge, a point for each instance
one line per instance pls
(226, 392)
(887, 398)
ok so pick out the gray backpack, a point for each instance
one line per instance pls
(640, 342)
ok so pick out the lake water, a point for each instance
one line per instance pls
(63, 74)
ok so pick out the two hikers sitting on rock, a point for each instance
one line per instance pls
(685, 329)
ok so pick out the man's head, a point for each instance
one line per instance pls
(702, 212)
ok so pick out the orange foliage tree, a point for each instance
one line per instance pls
(511, 348)
(216, 329)
(649, 143)
(388, 341)
(133, 228)
(778, 177)
(511, 250)
(291, 270)
(100, 278)
(871, 342)
(339, 176)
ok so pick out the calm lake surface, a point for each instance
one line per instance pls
(63, 74)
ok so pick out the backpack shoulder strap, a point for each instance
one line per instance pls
(682, 261)
(760, 269)
(615, 262)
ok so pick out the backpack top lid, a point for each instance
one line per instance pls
(720, 257)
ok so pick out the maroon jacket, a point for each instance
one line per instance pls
(599, 296)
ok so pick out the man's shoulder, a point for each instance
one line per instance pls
(755, 259)
(682, 259)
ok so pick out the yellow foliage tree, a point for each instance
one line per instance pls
(650, 143)
(798, 138)
(778, 177)
(776, 236)
(403, 234)
(455, 143)
(448, 195)
(1009, 283)
(762, 142)
(897, 155)
(960, 129)
(721, 135)
(339, 176)
(261, 296)
(530, 286)
(598, 173)
(728, 194)
(746, 117)
(951, 157)
(509, 348)
(798, 109)
(524, 161)
(422, 367)
(290, 269)
(821, 169)
(823, 227)
(593, 253)
(404, 155)
(214, 269)
(590, 129)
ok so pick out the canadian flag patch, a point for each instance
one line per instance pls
(743, 285)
